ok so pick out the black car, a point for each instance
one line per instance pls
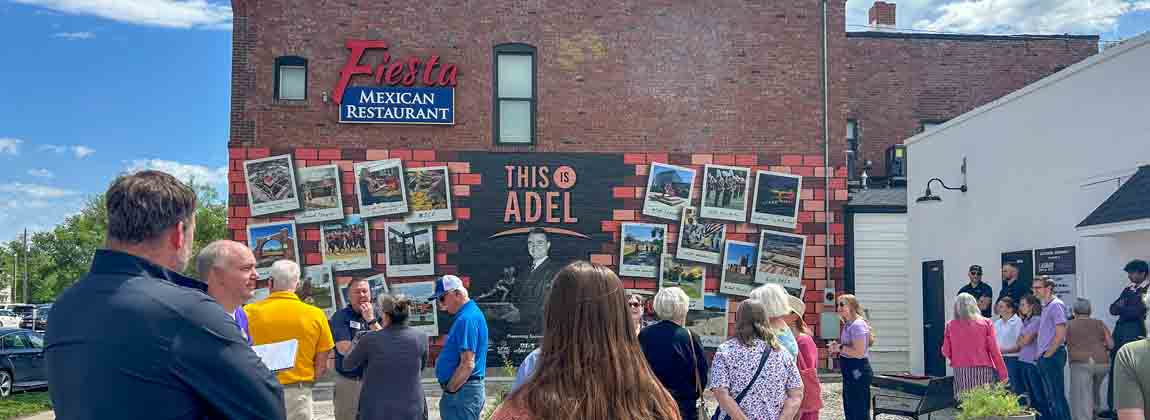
(37, 319)
(21, 361)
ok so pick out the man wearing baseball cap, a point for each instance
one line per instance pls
(461, 366)
(981, 291)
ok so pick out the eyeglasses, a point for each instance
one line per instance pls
(840, 304)
(634, 304)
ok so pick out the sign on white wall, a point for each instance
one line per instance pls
(1059, 264)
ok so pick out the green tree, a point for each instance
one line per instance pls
(59, 257)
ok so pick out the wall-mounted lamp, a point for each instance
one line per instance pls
(929, 197)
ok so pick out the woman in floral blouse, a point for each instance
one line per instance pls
(777, 392)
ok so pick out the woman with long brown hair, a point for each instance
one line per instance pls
(590, 365)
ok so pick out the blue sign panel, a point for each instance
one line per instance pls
(398, 105)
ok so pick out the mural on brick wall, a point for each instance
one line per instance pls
(507, 222)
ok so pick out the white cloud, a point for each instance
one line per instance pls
(10, 146)
(184, 171)
(1030, 16)
(79, 151)
(35, 190)
(74, 36)
(183, 14)
(41, 173)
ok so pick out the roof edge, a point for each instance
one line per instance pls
(969, 37)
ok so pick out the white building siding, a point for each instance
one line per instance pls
(880, 258)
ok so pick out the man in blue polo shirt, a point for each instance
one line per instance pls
(462, 363)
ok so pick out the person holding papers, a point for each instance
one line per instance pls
(282, 318)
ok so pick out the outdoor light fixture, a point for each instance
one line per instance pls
(929, 197)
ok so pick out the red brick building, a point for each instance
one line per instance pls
(605, 91)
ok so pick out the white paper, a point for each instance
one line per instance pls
(278, 356)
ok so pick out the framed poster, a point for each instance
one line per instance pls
(669, 190)
(1024, 260)
(424, 314)
(320, 194)
(410, 250)
(738, 276)
(687, 276)
(725, 191)
(380, 188)
(777, 198)
(346, 244)
(271, 242)
(641, 246)
(1059, 263)
(271, 185)
(710, 323)
(781, 260)
(429, 195)
(700, 240)
(378, 284)
(317, 288)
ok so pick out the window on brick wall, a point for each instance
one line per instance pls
(514, 94)
(853, 135)
(925, 125)
(291, 78)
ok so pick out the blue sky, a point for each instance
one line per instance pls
(92, 88)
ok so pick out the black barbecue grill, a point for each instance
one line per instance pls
(911, 396)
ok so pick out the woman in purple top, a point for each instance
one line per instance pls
(853, 351)
(1031, 309)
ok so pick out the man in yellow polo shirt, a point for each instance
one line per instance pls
(282, 317)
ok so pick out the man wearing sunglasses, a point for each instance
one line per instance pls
(462, 364)
(981, 291)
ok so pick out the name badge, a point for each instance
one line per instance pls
(355, 325)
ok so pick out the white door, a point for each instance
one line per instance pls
(880, 257)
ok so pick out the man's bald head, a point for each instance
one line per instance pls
(214, 253)
(229, 269)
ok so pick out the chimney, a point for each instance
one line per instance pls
(882, 15)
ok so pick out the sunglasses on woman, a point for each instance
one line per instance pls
(634, 304)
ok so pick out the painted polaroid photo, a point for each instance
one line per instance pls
(668, 190)
(725, 192)
(776, 199)
(380, 188)
(317, 288)
(738, 268)
(687, 276)
(320, 195)
(410, 250)
(346, 244)
(640, 248)
(428, 195)
(271, 242)
(423, 313)
(700, 240)
(781, 260)
(271, 185)
(378, 285)
(710, 323)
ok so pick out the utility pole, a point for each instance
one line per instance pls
(26, 267)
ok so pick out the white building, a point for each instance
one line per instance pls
(1038, 162)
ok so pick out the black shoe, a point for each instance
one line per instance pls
(1107, 414)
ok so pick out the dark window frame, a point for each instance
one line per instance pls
(290, 61)
(514, 48)
(923, 122)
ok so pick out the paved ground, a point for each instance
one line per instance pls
(832, 403)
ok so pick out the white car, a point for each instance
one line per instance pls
(9, 319)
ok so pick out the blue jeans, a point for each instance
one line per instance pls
(1035, 390)
(1014, 372)
(1054, 383)
(467, 404)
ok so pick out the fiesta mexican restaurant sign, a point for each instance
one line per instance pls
(395, 98)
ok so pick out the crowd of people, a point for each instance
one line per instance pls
(185, 346)
(1035, 337)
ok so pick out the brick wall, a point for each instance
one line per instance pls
(896, 80)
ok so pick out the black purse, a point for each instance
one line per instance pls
(743, 393)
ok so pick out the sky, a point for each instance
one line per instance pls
(95, 88)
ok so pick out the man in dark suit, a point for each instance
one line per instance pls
(534, 281)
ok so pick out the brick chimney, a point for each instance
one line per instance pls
(882, 15)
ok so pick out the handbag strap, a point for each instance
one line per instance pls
(762, 362)
(695, 363)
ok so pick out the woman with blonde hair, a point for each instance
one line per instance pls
(774, 299)
(853, 351)
(971, 346)
(753, 365)
(590, 365)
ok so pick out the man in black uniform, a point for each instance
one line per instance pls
(1011, 285)
(134, 339)
(1131, 313)
(981, 291)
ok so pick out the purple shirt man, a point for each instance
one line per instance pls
(1053, 315)
(242, 322)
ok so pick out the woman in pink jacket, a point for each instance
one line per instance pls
(970, 345)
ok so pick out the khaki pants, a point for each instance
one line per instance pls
(298, 401)
(346, 398)
(1085, 381)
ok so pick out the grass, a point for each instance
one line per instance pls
(24, 404)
